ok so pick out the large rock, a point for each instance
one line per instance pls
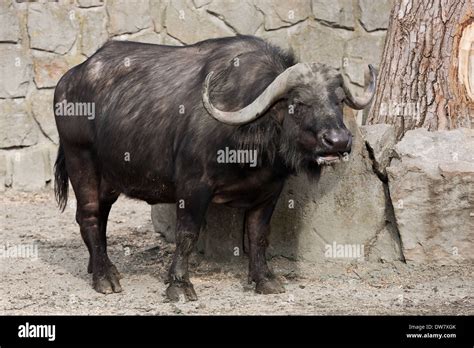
(171, 41)
(335, 12)
(93, 30)
(9, 23)
(361, 51)
(127, 17)
(3, 170)
(17, 127)
(15, 71)
(309, 41)
(182, 20)
(146, 37)
(42, 109)
(369, 48)
(432, 190)
(48, 68)
(157, 13)
(380, 139)
(201, 3)
(163, 217)
(375, 14)
(283, 13)
(281, 37)
(90, 3)
(241, 15)
(52, 27)
(50, 152)
(30, 171)
(347, 207)
(215, 242)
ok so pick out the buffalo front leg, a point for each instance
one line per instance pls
(189, 216)
(257, 222)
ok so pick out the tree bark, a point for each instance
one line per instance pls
(426, 76)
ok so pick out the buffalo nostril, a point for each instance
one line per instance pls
(337, 140)
(328, 141)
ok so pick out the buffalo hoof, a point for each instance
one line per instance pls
(177, 291)
(111, 266)
(107, 282)
(268, 286)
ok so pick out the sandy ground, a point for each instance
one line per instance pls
(57, 281)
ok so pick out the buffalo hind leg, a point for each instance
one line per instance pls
(107, 197)
(189, 217)
(91, 217)
(257, 222)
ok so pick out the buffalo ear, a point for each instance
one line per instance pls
(279, 112)
(340, 94)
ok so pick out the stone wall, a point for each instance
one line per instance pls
(40, 41)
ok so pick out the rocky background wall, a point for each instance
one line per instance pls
(383, 209)
(40, 41)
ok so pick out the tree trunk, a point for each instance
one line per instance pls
(426, 76)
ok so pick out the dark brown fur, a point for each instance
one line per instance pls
(138, 91)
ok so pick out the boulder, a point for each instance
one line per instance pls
(201, 3)
(42, 110)
(169, 40)
(163, 217)
(89, 3)
(15, 71)
(241, 15)
(17, 127)
(146, 37)
(380, 140)
(52, 27)
(93, 30)
(432, 189)
(309, 41)
(375, 14)
(29, 169)
(9, 23)
(127, 17)
(347, 207)
(368, 48)
(182, 19)
(283, 14)
(157, 13)
(48, 68)
(50, 152)
(338, 13)
(3, 169)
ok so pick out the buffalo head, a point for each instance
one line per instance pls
(313, 127)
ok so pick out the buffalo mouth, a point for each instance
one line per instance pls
(329, 159)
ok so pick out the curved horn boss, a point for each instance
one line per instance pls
(294, 76)
(359, 103)
(291, 77)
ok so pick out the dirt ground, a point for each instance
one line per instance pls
(57, 281)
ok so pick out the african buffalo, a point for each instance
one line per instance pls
(150, 121)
